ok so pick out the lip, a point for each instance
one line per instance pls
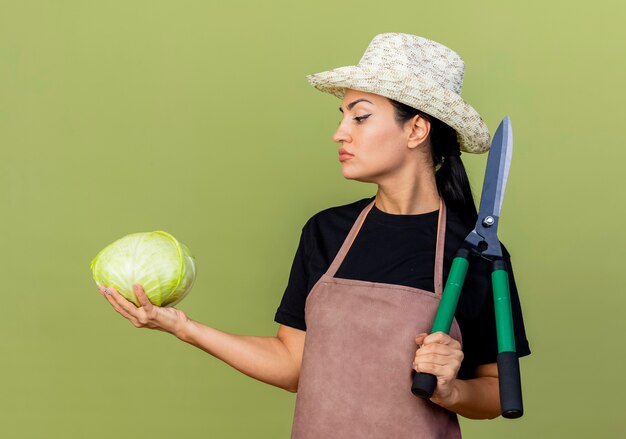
(344, 155)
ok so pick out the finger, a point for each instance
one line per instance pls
(440, 349)
(437, 337)
(143, 299)
(127, 306)
(440, 337)
(440, 360)
(419, 339)
(439, 354)
(442, 372)
(120, 310)
(427, 368)
(101, 289)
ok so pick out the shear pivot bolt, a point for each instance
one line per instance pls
(488, 221)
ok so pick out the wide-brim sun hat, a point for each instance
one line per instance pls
(418, 72)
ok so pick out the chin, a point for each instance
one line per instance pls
(356, 176)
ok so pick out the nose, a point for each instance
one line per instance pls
(342, 134)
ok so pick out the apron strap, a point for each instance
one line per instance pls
(441, 237)
(347, 243)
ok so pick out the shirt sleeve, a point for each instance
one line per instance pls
(290, 312)
(477, 316)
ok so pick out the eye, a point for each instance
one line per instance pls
(360, 119)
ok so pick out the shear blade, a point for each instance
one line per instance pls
(484, 237)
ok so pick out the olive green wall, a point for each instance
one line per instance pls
(124, 116)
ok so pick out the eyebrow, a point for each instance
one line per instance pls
(353, 103)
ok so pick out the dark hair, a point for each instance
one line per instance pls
(452, 182)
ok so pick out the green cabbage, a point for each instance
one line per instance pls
(163, 266)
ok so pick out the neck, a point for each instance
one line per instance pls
(419, 197)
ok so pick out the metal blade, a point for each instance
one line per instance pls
(497, 171)
(484, 237)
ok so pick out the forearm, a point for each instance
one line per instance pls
(266, 359)
(477, 398)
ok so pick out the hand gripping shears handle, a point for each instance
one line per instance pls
(508, 365)
(424, 383)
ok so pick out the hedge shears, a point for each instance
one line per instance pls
(483, 242)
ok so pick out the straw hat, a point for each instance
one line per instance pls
(418, 72)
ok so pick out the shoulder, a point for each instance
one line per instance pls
(456, 231)
(336, 218)
(325, 231)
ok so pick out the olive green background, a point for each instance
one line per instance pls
(196, 118)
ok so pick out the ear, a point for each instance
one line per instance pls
(418, 128)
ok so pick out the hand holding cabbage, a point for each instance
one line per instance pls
(167, 319)
(142, 275)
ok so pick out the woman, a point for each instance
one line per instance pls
(367, 276)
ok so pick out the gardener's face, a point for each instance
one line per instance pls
(377, 146)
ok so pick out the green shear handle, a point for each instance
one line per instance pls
(508, 365)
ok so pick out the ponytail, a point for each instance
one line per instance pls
(452, 181)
